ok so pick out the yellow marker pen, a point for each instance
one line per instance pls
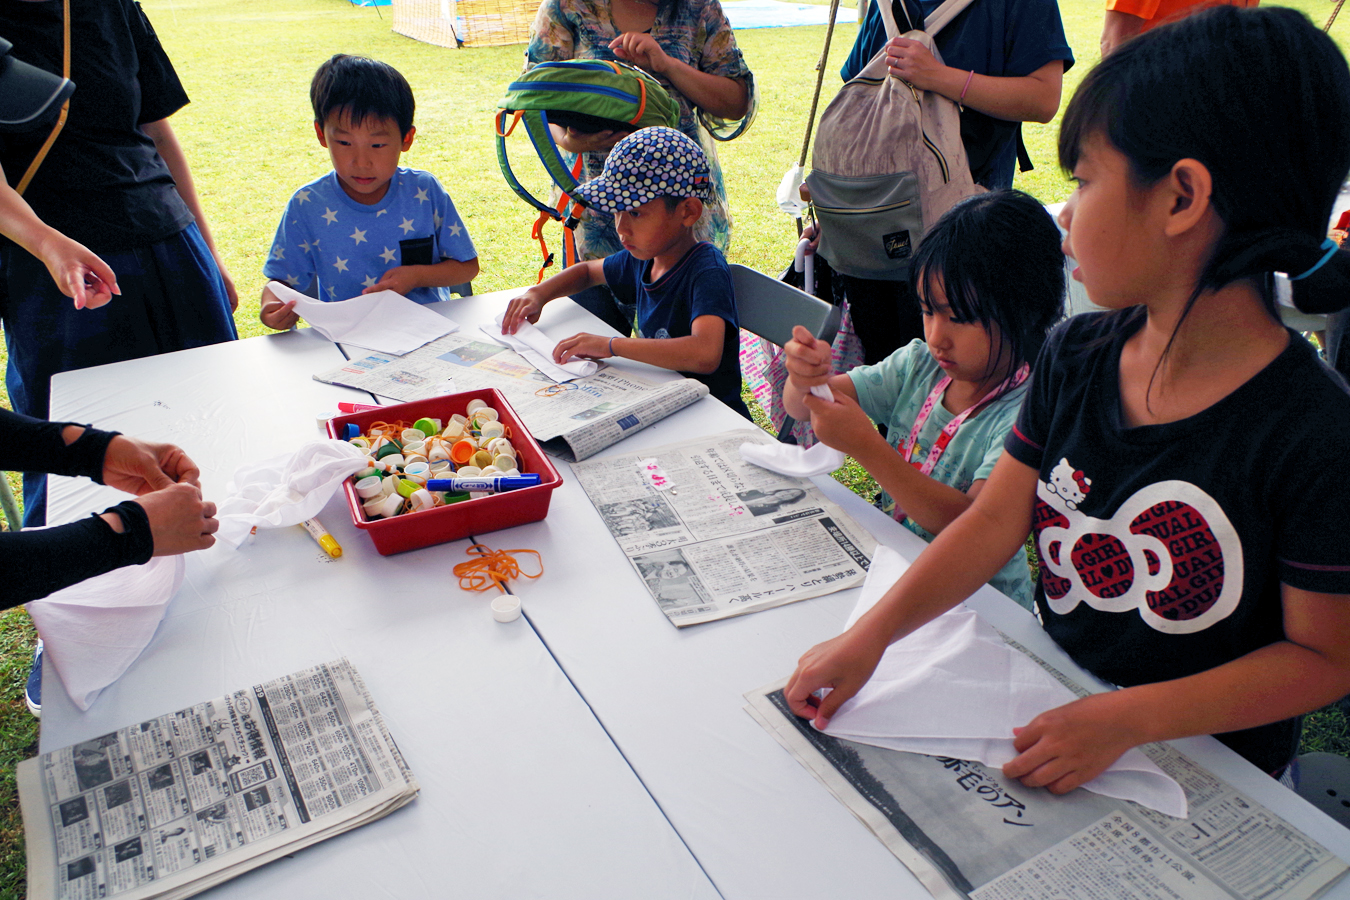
(320, 534)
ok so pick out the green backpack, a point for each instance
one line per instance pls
(588, 94)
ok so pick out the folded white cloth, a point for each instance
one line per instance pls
(537, 348)
(93, 631)
(385, 321)
(789, 459)
(286, 490)
(955, 688)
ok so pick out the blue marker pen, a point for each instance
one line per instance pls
(492, 483)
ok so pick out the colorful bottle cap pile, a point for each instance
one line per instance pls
(403, 458)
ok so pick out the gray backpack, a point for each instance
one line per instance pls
(888, 162)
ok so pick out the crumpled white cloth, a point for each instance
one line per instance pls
(93, 631)
(955, 688)
(537, 348)
(287, 489)
(789, 459)
(385, 321)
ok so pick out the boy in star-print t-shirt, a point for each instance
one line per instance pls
(370, 224)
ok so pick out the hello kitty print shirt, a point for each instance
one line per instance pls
(1163, 547)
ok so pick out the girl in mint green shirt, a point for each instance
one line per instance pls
(990, 279)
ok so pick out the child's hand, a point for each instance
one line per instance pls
(842, 424)
(525, 308)
(400, 279)
(574, 141)
(275, 314)
(640, 49)
(807, 359)
(1066, 747)
(842, 664)
(582, 346)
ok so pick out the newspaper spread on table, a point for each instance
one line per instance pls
(179, 803)
(572, 421)
(968, 832)
(714, 536)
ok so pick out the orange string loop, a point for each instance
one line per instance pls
(492, 567)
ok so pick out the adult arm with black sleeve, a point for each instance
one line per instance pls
(168, 516)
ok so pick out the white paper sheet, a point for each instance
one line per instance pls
(93, 631)
(955, 688)
(790, 459)
(537, 348)
(287, 489)
(385, 321)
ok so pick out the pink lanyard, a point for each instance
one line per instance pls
(949, 431)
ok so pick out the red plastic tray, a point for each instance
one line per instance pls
(470, 517)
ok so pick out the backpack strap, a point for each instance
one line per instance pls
(938, 18)
(65, 107)
(536, 125)
(888, 18)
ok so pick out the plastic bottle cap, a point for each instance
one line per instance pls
(506, 608)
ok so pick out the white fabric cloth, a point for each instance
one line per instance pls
(789, 459)
(93, 631)
(385, 321)
(955, 688)
(537, 348)
(287, 489)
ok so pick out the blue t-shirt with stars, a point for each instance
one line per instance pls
(350, 245)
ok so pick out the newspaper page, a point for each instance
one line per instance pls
(968, 832)
(572, 420)
(714, 536)
(173, 805)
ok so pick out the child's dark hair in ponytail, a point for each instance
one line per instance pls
(1261, 97)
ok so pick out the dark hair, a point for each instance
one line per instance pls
(1261, 97)
(998, 259)
(361, 88)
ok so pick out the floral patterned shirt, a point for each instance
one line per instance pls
(695, 32)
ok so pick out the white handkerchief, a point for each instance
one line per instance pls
(385, 321)
(537, 348)
(789, 459)
(955, 688)
(286, 490)
(93, 631)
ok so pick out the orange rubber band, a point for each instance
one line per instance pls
(492, 567)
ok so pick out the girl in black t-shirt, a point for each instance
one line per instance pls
(1181, 459)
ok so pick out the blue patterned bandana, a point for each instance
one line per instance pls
(650, 163)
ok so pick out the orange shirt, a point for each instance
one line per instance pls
(1155, 12)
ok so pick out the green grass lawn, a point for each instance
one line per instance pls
(248, 135)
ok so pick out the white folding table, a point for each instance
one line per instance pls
(523, 793)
